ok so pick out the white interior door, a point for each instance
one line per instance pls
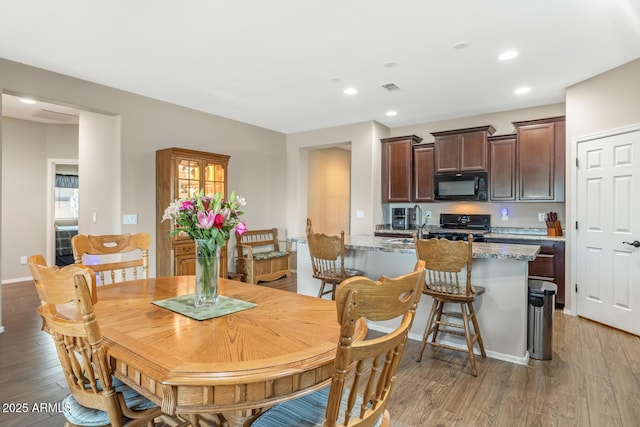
(608, 214)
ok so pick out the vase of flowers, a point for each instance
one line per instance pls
(207, 272)
(208, 220)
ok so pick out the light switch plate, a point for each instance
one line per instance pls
(129, 219)
(360, 214)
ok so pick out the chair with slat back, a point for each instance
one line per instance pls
(445, 261)
(114, 257)
(327, 260)
(96, 398)
(365, 370)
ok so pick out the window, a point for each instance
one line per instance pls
(66, 196)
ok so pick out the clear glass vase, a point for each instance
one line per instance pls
(207, 272)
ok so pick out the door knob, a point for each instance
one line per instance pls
(635, 243)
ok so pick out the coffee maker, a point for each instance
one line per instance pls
(401, 218)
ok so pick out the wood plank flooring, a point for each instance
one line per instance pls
(592, 380)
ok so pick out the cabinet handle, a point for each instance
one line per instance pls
(635, 243)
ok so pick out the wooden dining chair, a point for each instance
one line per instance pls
(365, 371)
(96, 397)
(327, 260)
(445, 261)
(104, 255)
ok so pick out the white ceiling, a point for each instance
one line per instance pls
(283, 64)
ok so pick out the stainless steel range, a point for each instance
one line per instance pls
(458, 227)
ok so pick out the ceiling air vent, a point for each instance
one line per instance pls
(390, 86)
(54, 115)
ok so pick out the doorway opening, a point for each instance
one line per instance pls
(329, 189)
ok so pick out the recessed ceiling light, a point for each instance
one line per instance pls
(461, 45)
(350, 91)
(522, 90)
(27, 101)
(507, 55)
(391, 113)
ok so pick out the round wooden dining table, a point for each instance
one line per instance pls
(236, 364)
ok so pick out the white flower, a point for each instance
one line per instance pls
(171, 212)
(240, 201)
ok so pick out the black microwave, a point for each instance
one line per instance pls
(462, 186)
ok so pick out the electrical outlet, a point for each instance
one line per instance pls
(542, 216)
(23, 260)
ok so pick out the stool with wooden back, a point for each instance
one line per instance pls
(327, 260)
(444, 262)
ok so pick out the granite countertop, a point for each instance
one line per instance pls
(405, 245)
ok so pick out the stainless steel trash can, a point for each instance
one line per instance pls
(542, 301)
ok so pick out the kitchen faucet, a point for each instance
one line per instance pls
(419, 224)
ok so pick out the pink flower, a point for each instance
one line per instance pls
(241, 228)
(206, 217)
(206, 220)
(186, 205)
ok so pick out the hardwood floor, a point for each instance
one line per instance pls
(592, 380)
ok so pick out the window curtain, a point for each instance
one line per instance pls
(66, 181)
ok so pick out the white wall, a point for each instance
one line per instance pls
(24, 177)
(25, 147)
(99, 169)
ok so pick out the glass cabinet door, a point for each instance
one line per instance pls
(213, 178)
(188, 174)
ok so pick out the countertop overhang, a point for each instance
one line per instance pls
(405, 245)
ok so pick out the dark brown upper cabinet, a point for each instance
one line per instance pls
(423, 172)
(540, 159)
(528, 166)
(462, 149)
(503, 183)
(397, 168)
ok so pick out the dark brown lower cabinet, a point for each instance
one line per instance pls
(548, 265)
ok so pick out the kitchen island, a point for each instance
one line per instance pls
(501, 268)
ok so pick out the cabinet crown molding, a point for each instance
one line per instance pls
(538, 121)
(487, 128)
(414, 139)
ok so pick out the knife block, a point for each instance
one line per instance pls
(556, 230)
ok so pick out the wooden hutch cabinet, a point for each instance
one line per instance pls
(397, 168)
(179, 174)
(462, 149)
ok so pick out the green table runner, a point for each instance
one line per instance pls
(184, 305)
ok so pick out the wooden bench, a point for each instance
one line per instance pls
(259, 256)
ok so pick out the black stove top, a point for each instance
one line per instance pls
(458, 227)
